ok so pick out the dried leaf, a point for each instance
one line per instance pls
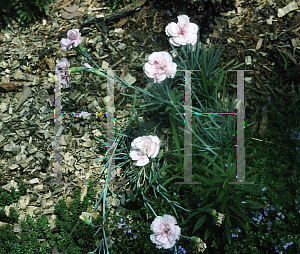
(289, 55)
(25, 94)
(7, 87)
(51, 63)
(70, 12)
(263, 123)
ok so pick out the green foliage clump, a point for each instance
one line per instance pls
(31, 9)
(115, 5)
(31, 237)
(8, 198)
(71, 234)
(67, 221)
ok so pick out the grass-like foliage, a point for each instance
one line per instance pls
(31, 10)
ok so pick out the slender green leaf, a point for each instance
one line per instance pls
(227, 227)
(207, 233)
(175, 137)
(156, 175)
(221, 195)
(253, 205)
(210, 159)
(240, 214)
(201, 210)
(172, 178)
(199, 223)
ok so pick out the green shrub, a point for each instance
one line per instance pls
(31, 9)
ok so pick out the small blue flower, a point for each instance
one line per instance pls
(264, 188)
(266, 212)
(129, 231)
(287, 245)
(277, 249)
(124, 231)
(181, 250)
(134, 237)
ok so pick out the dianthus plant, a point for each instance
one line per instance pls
(140, 151)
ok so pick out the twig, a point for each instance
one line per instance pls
(117, 63)
(291, 28)
(242, 16)
(4, 143)
(270, 89)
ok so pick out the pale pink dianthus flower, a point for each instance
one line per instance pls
(182, 33)
(73, 39)
(165, 231)
(143, 148)
(160, 66)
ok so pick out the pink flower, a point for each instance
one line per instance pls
(160, 66)
(73, 39)
(86, 65)
(144, 147)
(64, 69)
(165, 231)
(183, 32)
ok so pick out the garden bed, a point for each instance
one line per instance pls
(43, 214)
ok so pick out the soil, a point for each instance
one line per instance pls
(269, 77)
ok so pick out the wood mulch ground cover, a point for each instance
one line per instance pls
(252, 32)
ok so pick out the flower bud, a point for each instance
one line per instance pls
(195, 239)
(81, 49)
(85, 219)
(99, 73)
(86, 65)
(75, 69)
(211, 211)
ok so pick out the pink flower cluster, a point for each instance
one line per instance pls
(73, 39)
(144, 147)
(165, 231)
(182, 33)
(160, 66)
